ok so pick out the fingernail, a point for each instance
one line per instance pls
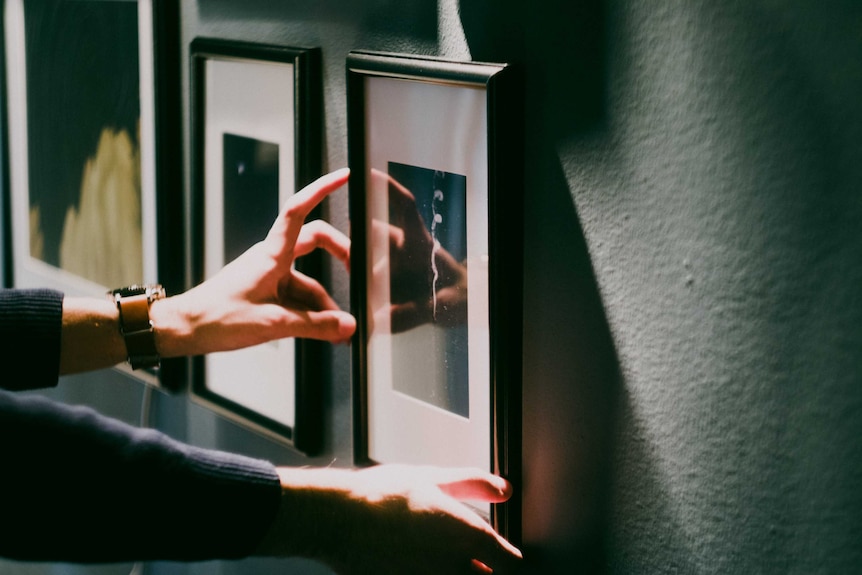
(347, 326)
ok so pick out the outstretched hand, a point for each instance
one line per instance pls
(390, 519)
(260, 296)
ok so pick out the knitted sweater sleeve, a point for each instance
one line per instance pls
(30, 325)
(76, 486)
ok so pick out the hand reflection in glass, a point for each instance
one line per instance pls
(416, 295)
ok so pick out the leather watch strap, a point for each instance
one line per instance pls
(138, 331)
(133, 304)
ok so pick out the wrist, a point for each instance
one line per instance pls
(174, 334)
(136, 326)
(90, 336)
(313, 520)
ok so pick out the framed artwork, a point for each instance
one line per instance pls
(93, 148)
(435, 196)
(256, 140)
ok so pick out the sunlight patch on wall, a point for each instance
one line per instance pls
(450, 32)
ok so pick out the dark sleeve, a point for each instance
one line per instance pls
(76, 486)
(30, 325)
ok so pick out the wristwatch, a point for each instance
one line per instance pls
(133, 302)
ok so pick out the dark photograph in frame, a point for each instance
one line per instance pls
(250, 171)
(256, 140)
(94, 169)
(433, 269)
(436, 198)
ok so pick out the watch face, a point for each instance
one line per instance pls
(155, 291)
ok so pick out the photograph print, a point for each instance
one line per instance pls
(250, 192)
(428, 285)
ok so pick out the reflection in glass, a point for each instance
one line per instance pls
(428, 286)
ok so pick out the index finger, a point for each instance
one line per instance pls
(299, 206)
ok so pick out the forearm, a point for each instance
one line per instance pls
(91, 336)
(77, 486)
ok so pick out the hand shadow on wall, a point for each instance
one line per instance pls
(575, 411)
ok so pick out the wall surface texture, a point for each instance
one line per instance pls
(693, 286)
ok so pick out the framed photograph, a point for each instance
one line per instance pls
(256, 140)
(435, 207)
(93, 147)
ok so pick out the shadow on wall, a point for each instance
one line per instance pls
(571, 371)
(562, 47)
(574, 397)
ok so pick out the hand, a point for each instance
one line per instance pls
(259, 296)
(416, 296)
(390, 519)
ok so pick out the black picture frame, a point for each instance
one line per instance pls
(64, 120)
(437, 124)
(228, 132)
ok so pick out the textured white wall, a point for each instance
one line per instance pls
(720, 197)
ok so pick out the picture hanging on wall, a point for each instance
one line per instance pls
(93, 152)
(435, 205)
(256, 140)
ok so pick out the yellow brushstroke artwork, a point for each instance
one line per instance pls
(101, 239)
